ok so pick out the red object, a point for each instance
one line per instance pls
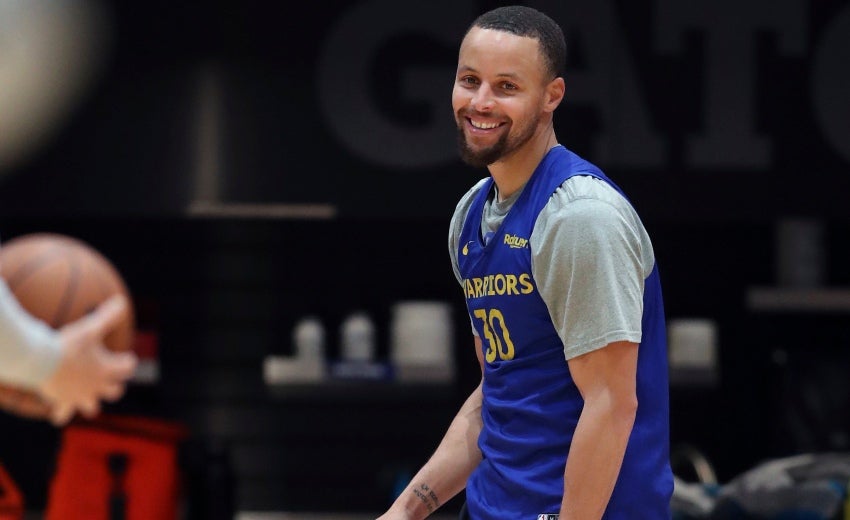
(117, 462)
(146, 345)
(11, 499)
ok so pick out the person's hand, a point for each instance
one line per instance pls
(88, 372)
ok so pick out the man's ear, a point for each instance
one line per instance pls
(554, 94)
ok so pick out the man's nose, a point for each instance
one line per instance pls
(483, 100)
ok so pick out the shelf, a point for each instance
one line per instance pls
(694, 377)
(363, 391)
(790, 299)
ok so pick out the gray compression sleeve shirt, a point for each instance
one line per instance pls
(29, 349)
(590, 254)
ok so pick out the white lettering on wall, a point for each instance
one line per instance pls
(729, 27)
(610, 84)
(729, 136)
(344, 75)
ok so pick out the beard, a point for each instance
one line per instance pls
(483, 157)
(506, 145)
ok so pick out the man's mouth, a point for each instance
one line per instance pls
(483, 125)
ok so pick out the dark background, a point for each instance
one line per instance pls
(345, 107)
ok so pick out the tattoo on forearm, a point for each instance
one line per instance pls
(427, 496)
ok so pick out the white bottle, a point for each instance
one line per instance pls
(358, 338)
(309, 339)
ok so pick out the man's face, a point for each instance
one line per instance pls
(498, 94)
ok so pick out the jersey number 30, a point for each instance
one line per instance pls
(498, 345)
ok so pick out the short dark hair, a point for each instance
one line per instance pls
(530, 23)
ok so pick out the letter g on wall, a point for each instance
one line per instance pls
(345, 75)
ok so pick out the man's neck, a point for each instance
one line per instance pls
(511, 173)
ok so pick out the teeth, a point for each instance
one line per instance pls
(483, 126)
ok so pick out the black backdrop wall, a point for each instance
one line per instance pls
(711, 111)
(245, 165)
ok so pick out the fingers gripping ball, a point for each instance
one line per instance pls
(58, 279)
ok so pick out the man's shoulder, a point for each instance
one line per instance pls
(584, 196)
(585, 201)
(587, 186)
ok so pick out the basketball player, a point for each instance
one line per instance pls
(570, 419)
(69, 368)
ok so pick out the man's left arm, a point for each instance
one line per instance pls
(606, 379)
(590, 257)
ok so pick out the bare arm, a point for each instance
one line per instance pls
(29, 349)
(445, 473)
(606, 379)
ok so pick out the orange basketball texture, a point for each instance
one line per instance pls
(58, 279)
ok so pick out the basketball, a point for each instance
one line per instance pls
(58, 279)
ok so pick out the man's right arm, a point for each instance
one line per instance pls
(29, 350)
(446, 472)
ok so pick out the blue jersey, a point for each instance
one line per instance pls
(531, 405)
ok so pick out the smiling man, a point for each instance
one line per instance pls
(571, 417)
